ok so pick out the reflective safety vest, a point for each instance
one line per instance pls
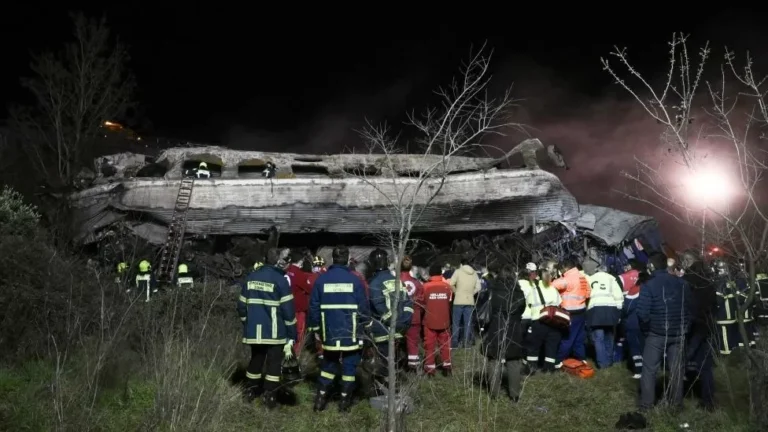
(526, 287)
(574, 290)
(202, 173)
(143, 280)
(604, 291)
(551, 298)
(183, 279)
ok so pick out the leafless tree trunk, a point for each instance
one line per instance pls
(732, 109)
(466, 116)
(75, 91)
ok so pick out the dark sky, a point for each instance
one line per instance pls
(304, 80)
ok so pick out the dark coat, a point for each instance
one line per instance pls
(704, 301)
(664, 305)
(503, 337)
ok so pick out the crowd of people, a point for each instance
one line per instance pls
(655, 315)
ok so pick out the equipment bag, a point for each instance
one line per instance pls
(483, 313)
(578, 368)
(553, 316)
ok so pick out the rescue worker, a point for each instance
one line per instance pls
(202, 171)
(384, 289)
(301, 287)
(664, 308)
(542, 335)
(415, 292)
(727, 327)
(257, 265)
(631, 334)
(339, 312)
(270, 171)
(603, 314)
(761, 310)
(748, 316)
(574, 291)
(527, 281)
(318, 265)
(145, 282)
(266, 309)
(700, 354)
(437, 321)
(122, 275)
(184, 278)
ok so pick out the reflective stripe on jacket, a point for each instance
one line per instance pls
(338, 309)
(383, 289)
(574, 290)
(551, 298)
(266, 308)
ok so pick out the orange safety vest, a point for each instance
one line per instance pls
(574, 290)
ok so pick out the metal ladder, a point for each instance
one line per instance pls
(169, 258)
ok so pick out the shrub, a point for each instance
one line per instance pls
(16, 217)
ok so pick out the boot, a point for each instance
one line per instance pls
(514, 379)
(321, 401)
(269, 400)
(252, 392)
(345, 403)
(447, 372)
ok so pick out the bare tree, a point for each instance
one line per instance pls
(733, 110)
(466, 116)
(75, 91)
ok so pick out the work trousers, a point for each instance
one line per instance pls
(437, 340)
(301, 328)
(728, 337)
(656, 347)
(700, 366)
(635, 345)
(574, 343)
(462, 315)
(413, 342)
(542, 336)
(602, 339)
(329, 368)
(265, 366)
(496, 369)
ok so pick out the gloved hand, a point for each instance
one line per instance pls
(288, 349)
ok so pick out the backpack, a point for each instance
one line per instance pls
(483, 312)
(578, 368)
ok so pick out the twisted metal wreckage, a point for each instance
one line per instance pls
(154, 201)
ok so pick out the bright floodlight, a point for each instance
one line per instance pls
(709, 187)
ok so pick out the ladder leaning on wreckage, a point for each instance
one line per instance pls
(169, 258)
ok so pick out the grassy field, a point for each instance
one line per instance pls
(197, 398)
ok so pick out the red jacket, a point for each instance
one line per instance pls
(629, 283)
(365, 283)
(437, 303)
(416, 292)
(301, 286)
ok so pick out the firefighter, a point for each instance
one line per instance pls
(122, 274)
(202, 171)
(257, 265)
(145, 282)
(318, 265)
(338, 312)
(416, 293)
(266, 309)
(184, 278)
(383, 286)
(604, 314)
(727, 308)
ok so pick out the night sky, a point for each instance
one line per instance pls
(276, 80)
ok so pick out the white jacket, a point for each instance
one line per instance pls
(606, 291)
(551, 298)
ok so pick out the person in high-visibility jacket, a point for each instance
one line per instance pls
(574, 292)
(604, 314)
(202, 171)
(145, 281)
(338, 312)
(542, 335)
(122, 274)
(727, 308)
(265, 307)
(184, 278)
(527, 281)
(384, 287)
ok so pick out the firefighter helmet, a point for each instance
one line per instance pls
(378, 260)
(202, 165)
(144, 266)
(183, 269)
(257, 265)
(318, 261)
(122, 267)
